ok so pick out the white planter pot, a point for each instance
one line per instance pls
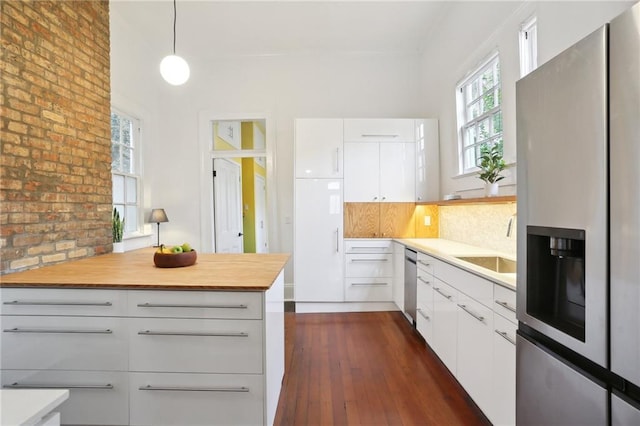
(491, 189)
(118, 247)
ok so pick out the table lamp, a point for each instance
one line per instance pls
(157, 216)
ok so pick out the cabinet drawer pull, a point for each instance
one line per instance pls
(443, 294)
(505, 336)
(337, 160)
(175, 305)
(369, 248)
(424, 263)
(192, 389)
(44, 303)
(58, 331)
(424, 281)
(425, 316)
(371, 135)
(369, 260)
(506, 305)
(473, 314)
(363, 284)
(17, 385)
(191, 333)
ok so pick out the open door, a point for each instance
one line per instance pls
(227, 188)
(261, 215)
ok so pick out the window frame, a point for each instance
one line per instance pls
(464, 103)
(136, 173)
(528, 45)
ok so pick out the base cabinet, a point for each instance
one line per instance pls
(445, 324)
(503, 372)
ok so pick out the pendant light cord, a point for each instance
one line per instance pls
(174, 26)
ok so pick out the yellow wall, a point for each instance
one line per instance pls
(248, 191)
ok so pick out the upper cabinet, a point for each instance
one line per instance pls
(319, 147)
(427, 160)
(379, 130)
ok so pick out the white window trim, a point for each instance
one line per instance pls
(461, 105)
(528, 43)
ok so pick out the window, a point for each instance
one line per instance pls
(528, 46)
(125, 131)
(479, 100)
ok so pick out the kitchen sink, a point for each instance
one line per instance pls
(494, 263)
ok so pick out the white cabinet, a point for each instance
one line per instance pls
(318, 246)
(398, 275)
(424, 297)
(379, 172)
(379, 130)
(475, 354)
(318, 148)
(368, 270)
(445, 324)
(427, 160)
(502, 410)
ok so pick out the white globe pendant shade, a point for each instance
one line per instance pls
(174, 70)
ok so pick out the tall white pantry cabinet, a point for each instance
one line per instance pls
(374, 160)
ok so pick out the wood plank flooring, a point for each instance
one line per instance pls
(366, 368)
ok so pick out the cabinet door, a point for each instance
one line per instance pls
(398, 275)
(361, 172)
(318, 258)
(427, 160)
(379, 130)
(475, 338)
(318, 143)
(445, 324)
(397, 172)
(503, 411)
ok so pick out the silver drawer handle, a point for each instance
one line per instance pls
(369, 260)
(190, 333)
(362, 284)
(370, 248)
(423, 314)
(505, 336)
(173, 305)
(371, 135)
(445, 295)
(506, 305)
(45, 330)
(192, 389)
(473, 314)
(37, 303)
(424, 281)
(424, 263)
(17, 385)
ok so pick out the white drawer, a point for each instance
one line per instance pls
(425, 263)
(505, 302)
(95, 398)
(471, 285)
(505, 328)
(196, 304)
(196, 399)
(187, 345)
(448, 293)
(64, 343)
(368, 265)
(424, 323)
(379, 130)
(424, 292)
(368, 290)
(51, 301)
(362, 245)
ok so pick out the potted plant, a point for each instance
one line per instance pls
(491, 164)
(117, 226)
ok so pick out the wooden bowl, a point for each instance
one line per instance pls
(175, 260)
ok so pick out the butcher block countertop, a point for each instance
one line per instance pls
(135, 270)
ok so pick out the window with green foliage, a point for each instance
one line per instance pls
(125, 131)
(479, 102)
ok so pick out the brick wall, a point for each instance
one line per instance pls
(55, 178)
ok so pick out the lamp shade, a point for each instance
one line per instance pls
(158, 216)
(174, 70)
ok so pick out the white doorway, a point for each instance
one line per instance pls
(227, 189)
(261, 215)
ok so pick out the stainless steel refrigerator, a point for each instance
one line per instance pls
(578, 142)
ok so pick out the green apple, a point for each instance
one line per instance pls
(186, 247)
(176, 249)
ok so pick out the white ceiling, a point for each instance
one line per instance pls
(232, 27)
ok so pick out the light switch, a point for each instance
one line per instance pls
(427, 221)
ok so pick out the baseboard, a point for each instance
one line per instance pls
(325, 307)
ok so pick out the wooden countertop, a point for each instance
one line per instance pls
(135, 270)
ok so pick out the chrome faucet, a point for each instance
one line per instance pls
(510, 225)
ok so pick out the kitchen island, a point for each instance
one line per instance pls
(136, 344)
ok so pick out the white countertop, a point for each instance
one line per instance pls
(448, 251)
(26, 407)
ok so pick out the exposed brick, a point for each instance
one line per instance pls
(26, 240)
(51, 258)
(65, 245)
(24, 263)
(41, 249)
(83, 252)
(53, 116)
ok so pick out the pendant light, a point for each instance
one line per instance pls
(173, 68)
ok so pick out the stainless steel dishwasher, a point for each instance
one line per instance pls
(410, 283)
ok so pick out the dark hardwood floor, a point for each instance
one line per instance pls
(366, 368)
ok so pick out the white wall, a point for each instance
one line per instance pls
(461, 42)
